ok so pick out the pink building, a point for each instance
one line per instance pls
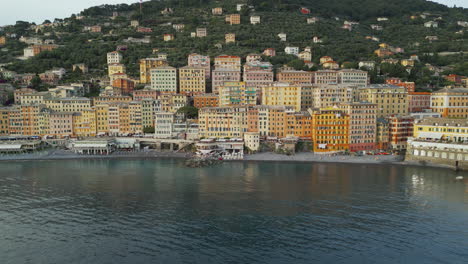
(222, 75)
(418, 102)
(139, 95)
(197, 60)
(325, 77)
(258, 74)
(362, 125)
(61, 124)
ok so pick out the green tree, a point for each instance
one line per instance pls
(190, 112)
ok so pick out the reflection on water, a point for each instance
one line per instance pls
(140, 211)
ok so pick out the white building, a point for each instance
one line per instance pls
(292, 50)
(114, 57)
(164, 79)
(255, 20)
(252, 141)
(282, 36)
(163, 124)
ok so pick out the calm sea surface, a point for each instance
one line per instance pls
(158, 211)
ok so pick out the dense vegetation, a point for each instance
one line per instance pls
(277, 16)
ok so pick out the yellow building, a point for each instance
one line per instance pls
(445, 129)
(136, 117)
(146, 65)
(450, 102)
(148, 110)
(223, 122)
(71, 104)
(237, 94)
(407, 62)
(4, 121)
(390, 99)
(168, 37)
(2, 40)
(330, 130)
(102, 119)
(282, 94)
(192, 80)
(119, 119)
(230, 38)
(111, 99)
(85, 123)
(33, 98)
(116, 68)
(329, 95)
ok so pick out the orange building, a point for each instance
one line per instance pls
(206, 100)
(126, 85)
(233, 19)
(299, 124)
(330, 130)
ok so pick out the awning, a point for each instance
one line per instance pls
(433, 135)
(10, 147)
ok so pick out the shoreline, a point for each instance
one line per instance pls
(303, 157)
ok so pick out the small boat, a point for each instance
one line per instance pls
(459, 178)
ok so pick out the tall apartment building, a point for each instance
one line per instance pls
(418, 102)
(114, 57)
(222, 75)
(282, 94)
(390, 99)
(324, 96)
(330, 130)
(192, 80)
(346, 77)
(362, 125)
(272, 121)
(61, 124)
(197, 60)
(237, 94)
(325, 77)
(4, 121)
(353, 77)
(400, 129)
(223, 122)
(72, 104)
(206, 100)
(296, 77)
(26, 120)
(164, 79)
(258, 74)
(226, 61)
(450, 102)
(85, 123)
(111, 99)
(146, 65)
